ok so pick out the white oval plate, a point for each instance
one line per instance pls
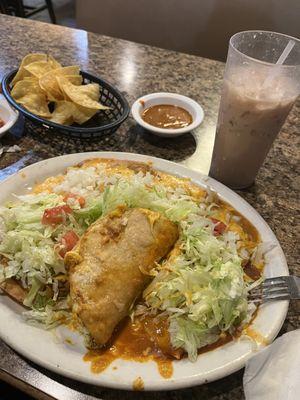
(51, 349)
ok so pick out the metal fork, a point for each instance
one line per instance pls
(278, 288)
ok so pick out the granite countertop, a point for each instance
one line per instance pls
(137, 70)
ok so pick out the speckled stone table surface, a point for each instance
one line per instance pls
(137, 70)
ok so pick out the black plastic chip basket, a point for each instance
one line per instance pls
(104, 122)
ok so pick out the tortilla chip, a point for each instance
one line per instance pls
(30, 58)
(54, 64)
(25, 87)
(83, 114)
(14, 289)
(39, 68)
(85, 95)
(42, 80)
(36, 103)
(63, 113)
(31, 96)
(74, 79)
(49, 84)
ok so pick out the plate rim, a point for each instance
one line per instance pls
(179, 170)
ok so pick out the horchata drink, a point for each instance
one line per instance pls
(256, 98)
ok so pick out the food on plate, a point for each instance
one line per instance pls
(16, 291)
(2, 123)
(74, 247)
(54, 92)
(167, 116)
(111, 263)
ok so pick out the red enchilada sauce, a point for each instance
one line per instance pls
(143, 340)
(167, 116)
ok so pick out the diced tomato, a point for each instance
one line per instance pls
(68, 241)
(55, 215)
(80, 199)
(219, 227)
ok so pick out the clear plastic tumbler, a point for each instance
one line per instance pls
(256, 98)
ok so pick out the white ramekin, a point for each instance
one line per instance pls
(175, 99)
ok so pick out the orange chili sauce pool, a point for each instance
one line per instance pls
(148, 340)
(142, 341)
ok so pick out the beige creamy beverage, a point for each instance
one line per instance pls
(251, 114)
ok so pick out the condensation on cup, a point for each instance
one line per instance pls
(256, 98)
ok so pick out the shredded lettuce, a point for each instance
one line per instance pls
(91, 213)
(36, 285)
(28, 247)
(155, 198)
(202, 289)
(134, 193)
(48, 317)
